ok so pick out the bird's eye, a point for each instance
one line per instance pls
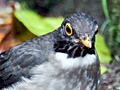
(68, 29)
(96, 30)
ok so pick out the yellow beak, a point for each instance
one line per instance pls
(87, 42)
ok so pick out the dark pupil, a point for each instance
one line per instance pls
(68, 30)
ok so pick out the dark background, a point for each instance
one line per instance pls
(66, 7)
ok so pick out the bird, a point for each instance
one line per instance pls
(64, 59)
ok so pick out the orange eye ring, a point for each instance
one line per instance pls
(68, 29)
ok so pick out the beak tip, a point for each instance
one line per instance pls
(90, 45)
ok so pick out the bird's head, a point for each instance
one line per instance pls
(77, 35)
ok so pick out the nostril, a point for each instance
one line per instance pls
(84, 38)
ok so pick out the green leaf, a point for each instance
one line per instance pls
(103, 69)
(118, 88)
(102, 50)
(37, 24)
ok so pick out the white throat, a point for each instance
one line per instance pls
(66, 62)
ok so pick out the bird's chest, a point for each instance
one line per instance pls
(77, 79)
(76, 73)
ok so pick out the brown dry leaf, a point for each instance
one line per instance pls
(6, 37)
(2, 35)
(4, 31)
(8, 21)
(7, 33)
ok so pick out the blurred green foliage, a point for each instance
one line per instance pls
(113, 21)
